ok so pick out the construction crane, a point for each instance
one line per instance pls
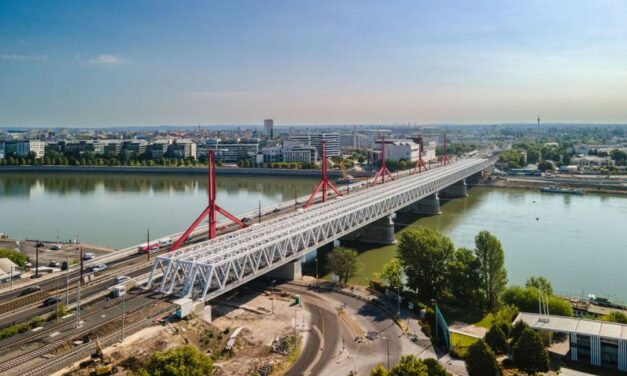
(102, 365)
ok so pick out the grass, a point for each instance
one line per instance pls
(291, 357)
(460, 343)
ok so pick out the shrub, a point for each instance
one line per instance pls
(481, 360)
(183, 360)
(529, 353)
(496, 339)
(526, 299)
(517, 330)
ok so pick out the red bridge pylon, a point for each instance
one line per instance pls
(324, 182)
(445, 156)
(420, 164)
(383, 170)
(211, 209)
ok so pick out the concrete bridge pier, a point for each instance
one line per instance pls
(456, 190)
(429, 205)
(380, 231)
(291, 271)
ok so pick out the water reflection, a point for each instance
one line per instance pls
(22, 185)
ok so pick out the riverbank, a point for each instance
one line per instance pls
(534, 183)
(225, 171)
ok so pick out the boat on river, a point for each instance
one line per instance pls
(554, 189)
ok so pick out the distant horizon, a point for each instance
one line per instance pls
(143, 62)
(391, 125)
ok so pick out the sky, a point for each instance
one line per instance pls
(149, 62)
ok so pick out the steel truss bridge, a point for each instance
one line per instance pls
(206, 270)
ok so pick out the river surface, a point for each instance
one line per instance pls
(578, 242)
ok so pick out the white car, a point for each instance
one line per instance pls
(122, 279)
(99, 268)
(88, 256)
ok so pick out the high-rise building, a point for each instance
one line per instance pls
(268, 127)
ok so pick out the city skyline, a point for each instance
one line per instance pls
(145, 63)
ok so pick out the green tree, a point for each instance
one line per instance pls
(541, 284)
(619, 156)
(392, 273)
(530, 355)
(481, 360)
(463, 277)
(379, 370)
(424, 254)
(615, 316)
(492, 267)
(517, 330)
(526, 299)
(343, 262)
(180, 361)
(18, 258)
(409, 365)
(496, 339)
(434, 368)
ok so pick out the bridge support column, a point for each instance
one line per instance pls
(290, 272)
(429, 205)
(456, 190)
(380, 231)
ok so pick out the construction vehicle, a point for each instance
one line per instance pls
(102, 365)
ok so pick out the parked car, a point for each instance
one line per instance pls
(30, 290)
(99, 268)
(122, 279)
(276, 210)
(88, 256)
(55, 247)
(51, 300)
(54, 264)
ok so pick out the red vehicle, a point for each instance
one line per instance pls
(152, 248)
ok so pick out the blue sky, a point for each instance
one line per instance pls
(117, 63)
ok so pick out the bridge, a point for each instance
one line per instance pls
(206, 270)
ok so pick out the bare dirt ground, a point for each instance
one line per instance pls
(252, 348)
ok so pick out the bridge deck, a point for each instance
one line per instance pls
(208, 269)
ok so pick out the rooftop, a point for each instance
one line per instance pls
(574, 325)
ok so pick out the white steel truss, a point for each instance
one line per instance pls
(208, 269)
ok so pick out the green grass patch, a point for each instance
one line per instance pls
(460, 344)
(485, 322)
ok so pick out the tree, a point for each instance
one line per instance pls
(180, 361)
(517, 330)
(379, 370)
(434, 368)
(18, 258)
(409, 365)
(463, 277)
(615, 316)
(491, 267)
(481, 360)
(541, 284)
(530, 355)
(619, 156)
(424, 254)
(392, 273)
(526, 299)
(496, 339)
(343, 262)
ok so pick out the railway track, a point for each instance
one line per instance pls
(23, 301)
(25, 358)
(58, 326)
(79, 351)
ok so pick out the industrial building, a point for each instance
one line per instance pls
(594, 342)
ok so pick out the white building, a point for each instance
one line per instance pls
(332, 142)
(396, 150)
(21, 148)
(300, 153)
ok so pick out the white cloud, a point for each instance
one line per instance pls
(23, 57)
(107, 59)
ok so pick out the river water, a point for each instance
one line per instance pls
(578, 242)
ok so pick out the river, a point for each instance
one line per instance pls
(578, 242)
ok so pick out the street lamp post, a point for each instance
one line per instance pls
(317, 272)
(37, 259)
(123, 313)
(272, 293)
(398, 301)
